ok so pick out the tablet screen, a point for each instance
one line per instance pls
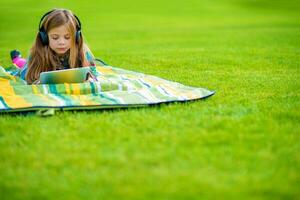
(75, 75)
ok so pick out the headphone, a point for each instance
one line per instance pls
(44, 36)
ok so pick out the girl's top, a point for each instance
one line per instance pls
(64, 63)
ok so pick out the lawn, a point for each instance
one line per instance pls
(241, 143)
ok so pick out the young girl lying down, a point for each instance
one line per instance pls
(58, 45)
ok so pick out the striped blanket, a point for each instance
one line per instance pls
(115, 87)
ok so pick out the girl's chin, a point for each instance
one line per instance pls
(61, 51)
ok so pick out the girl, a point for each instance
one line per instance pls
(58, 45)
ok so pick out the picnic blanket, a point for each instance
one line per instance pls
(115, 87)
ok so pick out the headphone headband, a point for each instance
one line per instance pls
(41, 28)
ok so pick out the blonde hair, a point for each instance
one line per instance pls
(43, 58)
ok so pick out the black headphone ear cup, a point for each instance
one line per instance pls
(77, 36)
(44, 37)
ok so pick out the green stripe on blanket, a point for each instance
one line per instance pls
(116, 88)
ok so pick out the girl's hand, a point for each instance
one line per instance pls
(36, 82)
(91, 78)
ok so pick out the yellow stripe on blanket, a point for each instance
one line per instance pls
(105, 70)
(75, 88)
(185, 94)
(9, 78)
(9, 96)
(67, 86)
(172, 90)
(35, 89)
(84, 100)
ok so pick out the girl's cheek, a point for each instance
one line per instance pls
(53, 41)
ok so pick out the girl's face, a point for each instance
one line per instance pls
(59, 39)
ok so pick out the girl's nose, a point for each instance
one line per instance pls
(61, 41)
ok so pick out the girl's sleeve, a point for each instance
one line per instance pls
(24, 71)
(90, 58)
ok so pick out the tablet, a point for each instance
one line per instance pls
(74, 75)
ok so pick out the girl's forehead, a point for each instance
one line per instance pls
(63, 29)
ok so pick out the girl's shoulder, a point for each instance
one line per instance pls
(89, 56)
(25, 68)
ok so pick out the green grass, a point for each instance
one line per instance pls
(241, 143)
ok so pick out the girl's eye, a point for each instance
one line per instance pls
(67, 37)
(54, 38)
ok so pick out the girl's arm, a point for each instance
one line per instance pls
(24, 71)
(89, 57)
